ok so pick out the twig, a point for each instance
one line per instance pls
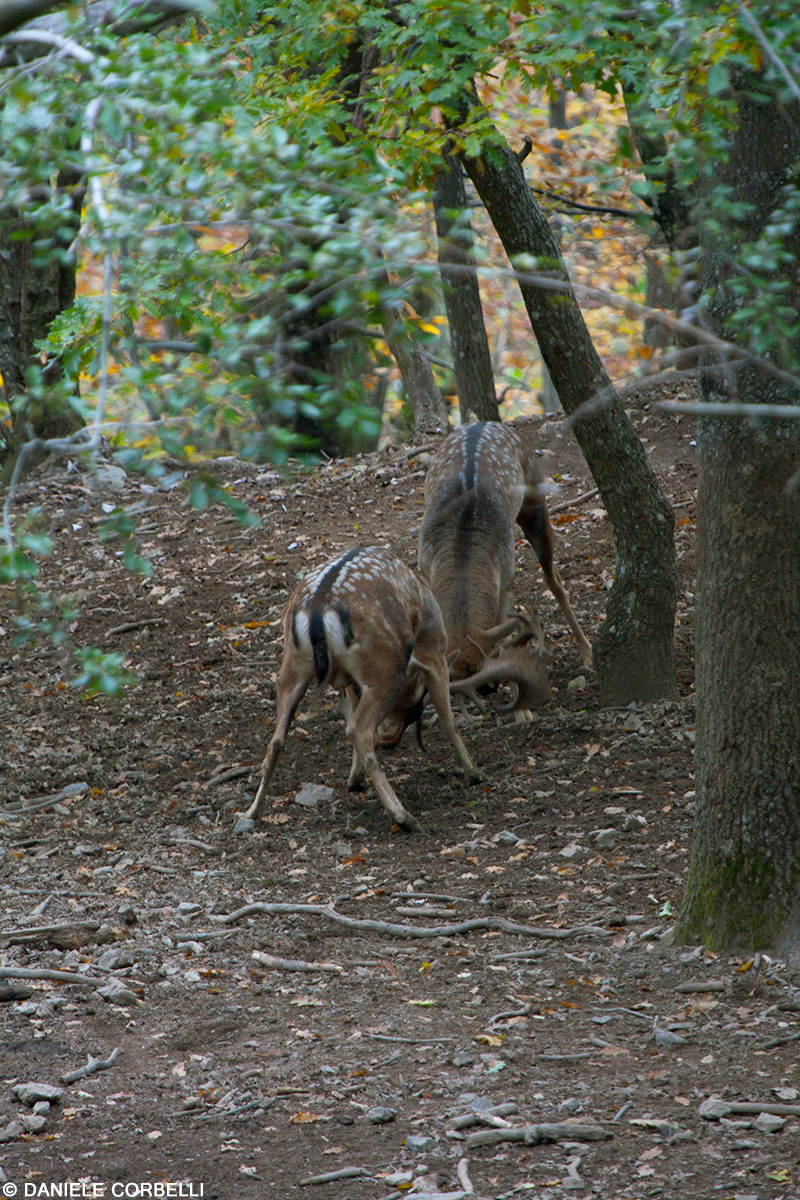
(781, 1041)
(46, 973)
(506, 1016)
(519, 954)
(389, 929)
(413, 452)
(129, 626)
(556, 508)
(332, 1176)
(26, 806)
(471, 1118)
(92, 1065)
(533, 1135)
(389, 1037)
(294, 964)
(566, 1058)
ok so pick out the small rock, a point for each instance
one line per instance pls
(32, 1122)
(399, 1178)
(29, 1093)
(634, 822)
(418, 1144)
(713, 1108)
(603, 839)
(665, 1037)
(115, 992)
(572, 851)
(11, 1131)
(577, 685)
(108, 478)
(506, 838)
(463, 1058)
(311, 795)
(572, 1105)
(244, 825)
(769, 1123)
(42, 1107)
(632, 723)
(112, 960)
(381, 1115)
(187, 907)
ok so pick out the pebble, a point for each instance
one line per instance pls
(418, 1144)
(381, 1115)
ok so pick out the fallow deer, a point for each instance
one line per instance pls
(482, 478)
(365, 625)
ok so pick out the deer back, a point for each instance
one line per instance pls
(476, 484)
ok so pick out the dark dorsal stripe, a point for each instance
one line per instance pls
(329, 577)
(471, 440)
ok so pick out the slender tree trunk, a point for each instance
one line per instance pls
(633, 648)
(469, 343)
(743, 890)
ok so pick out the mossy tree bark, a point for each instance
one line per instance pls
(743, 890)
(633, 649)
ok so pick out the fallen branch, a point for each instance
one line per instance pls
(565, 504)
(224, 776)
(294, 964)
(45, 973)
(92, 1066)
(533, 1135)
(332, 1176)
(472, 1118)
(711, 985)
(35, 933)
(388, 929)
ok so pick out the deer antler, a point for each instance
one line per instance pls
(518, 663)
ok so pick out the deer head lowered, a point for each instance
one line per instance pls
(482, 479)
(366, 626)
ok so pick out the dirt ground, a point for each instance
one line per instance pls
(514, 954)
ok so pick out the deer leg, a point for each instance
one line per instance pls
(358, 772)
(291, 689)
(534, 521)
(436, 678)
(364, 721)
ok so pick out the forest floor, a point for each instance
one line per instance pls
(566, 1005)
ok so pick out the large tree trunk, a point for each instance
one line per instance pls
(32, 295)
(472, 361)
(743, 890)
(633, 648)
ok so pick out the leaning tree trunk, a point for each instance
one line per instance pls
(633, 648)
(743, 890)
(472, 361)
